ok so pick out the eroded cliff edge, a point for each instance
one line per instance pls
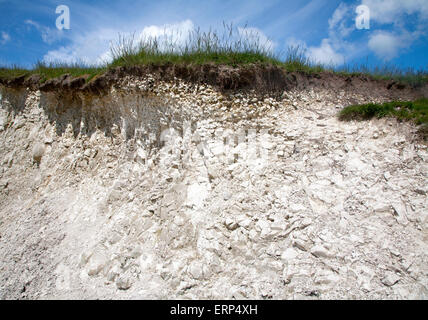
(175, 185)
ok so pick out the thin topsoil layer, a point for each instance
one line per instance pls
(243, 198)
(267, 79)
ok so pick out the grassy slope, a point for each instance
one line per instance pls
(233, 59)
(416, 111)
(228, 47)
(52, 71)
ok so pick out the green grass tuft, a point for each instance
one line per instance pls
(234, 46)
(408, 76)
(231, 46)
(52, 70)
(416, 111)
(55, 70)
(12, 72)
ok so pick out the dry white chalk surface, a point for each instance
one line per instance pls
(176, 191)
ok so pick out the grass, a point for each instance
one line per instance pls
(407, 76)
(12, 72)
(52, 70)
(415, 111)
(232, 46)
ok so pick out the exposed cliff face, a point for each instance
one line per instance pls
(171, 188)
(267, 79)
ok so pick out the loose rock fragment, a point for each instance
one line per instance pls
(320, 252)
(123, 282)
(390, 279)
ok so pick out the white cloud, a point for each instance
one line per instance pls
(255, 36)
(5, 37)
(392, 11)
(90, 48)
(332, 50)
(94, 47)
(341, 23)
(386, 45)
(325, 54)
(49, 35)
(293, 42)
(338, 15)
(177, 33)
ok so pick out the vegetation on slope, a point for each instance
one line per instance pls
(233, 46)
(52, 70)
(416, 111)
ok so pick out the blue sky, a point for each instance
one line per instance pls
(325, 28)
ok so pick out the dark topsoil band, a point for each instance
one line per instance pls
(263, 78)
